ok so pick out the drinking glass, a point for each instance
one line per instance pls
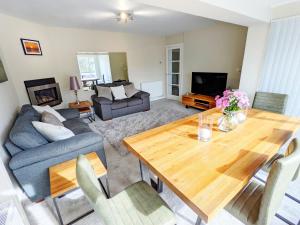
(205, 128)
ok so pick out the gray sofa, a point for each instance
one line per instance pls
(32, 155)
(107, 109)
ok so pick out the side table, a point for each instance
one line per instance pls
(63, 180)
(84, 107)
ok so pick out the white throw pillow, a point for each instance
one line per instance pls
(118, 92)
(52, 132)
(47, 108)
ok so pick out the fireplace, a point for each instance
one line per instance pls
(43, 92)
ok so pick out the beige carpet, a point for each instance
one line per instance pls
(124, 170)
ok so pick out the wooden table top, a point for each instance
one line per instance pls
(82, 104)
(63, 175)
(207, 175)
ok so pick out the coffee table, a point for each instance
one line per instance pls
(63, 181)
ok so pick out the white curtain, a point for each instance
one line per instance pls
(105, 68)
(281, 68)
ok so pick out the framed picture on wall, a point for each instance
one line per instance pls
(31, 47)
(3, 76)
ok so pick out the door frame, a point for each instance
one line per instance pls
(181, 70)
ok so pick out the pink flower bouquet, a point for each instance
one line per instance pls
(232, 101)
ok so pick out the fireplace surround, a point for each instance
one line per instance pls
(43, 91)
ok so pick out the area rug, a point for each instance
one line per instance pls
(161, 112)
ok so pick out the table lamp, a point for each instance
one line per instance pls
(74, 85)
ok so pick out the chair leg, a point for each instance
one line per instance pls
(198, 222)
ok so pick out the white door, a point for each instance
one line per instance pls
(174, 59)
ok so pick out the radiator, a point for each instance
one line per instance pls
(155, 88)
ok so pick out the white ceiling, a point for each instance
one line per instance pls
(100, 14)
(275, 3)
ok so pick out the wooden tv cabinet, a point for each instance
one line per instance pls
(198, 101)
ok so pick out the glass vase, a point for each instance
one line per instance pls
(228, 121)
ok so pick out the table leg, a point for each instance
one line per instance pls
(58, 212)
(141, 170)
(198, 222)
(157, 185)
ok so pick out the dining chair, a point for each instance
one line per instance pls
(257, 203)
(272, 102)
(138, 204)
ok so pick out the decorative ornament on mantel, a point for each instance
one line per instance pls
(234, 105)
(74, 86)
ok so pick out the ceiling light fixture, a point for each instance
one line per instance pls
(125, 16)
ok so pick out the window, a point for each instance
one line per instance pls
(88, 67)
(94, 66)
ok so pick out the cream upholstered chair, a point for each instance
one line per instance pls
(138, 204)
(257, 204)
(272, 102)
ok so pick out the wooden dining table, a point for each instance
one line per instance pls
(208, 175)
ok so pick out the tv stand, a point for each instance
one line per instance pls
(198, 101)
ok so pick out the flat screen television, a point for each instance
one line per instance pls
(211, 84)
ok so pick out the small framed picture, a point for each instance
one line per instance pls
(31, 47)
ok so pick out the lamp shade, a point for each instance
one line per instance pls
(74, 84)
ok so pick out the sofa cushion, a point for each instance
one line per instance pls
(104, 92)
(47, 108)
(118, 92)
(52, 132)
(77, 126)
(23, 134)
(118, 104)
(130, 90)
(51, 119)
(134, 101)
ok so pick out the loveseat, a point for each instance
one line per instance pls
(32, 155)
(107, 109)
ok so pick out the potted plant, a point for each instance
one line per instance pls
(234, 105)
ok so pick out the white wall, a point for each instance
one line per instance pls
(253, 58)
(286, 10)
(60, 45)
(9, 105)
(217, 48)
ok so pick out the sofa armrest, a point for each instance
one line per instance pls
(69, 113)
(54, 149)
(142, 95)
(102, 100)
